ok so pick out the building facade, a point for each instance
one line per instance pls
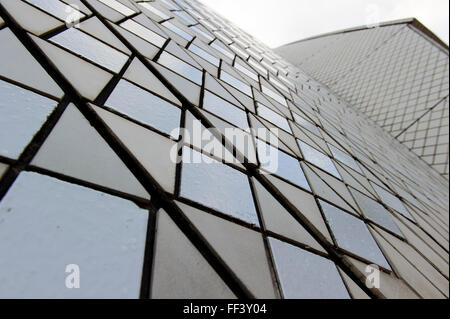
(395, 73)
(107, 189)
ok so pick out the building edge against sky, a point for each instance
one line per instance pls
(89, 117)
(395, 72)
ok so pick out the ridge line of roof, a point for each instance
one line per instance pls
(412, 21)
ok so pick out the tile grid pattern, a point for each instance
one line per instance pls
(394, 74)
(287, 93)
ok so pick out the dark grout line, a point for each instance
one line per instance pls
(424, 114)
(24, 86)
(32, 148)
(125, 18)
(269, 256)
(156, 57)
(47, 35)
(207, 251)
(107, 90)
(149, 253)
(179, 164)
(216, 213)
(139, 201)
(126, 117)
(334, 255)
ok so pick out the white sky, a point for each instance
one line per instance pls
(277, 22)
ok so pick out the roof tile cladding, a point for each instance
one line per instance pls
(95, 172)
(395, 74)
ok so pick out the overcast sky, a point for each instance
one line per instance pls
(277, 22)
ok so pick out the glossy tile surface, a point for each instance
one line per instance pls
(231, 196)
(22, 115)
(57, 215)
(144, 107)
(96, 51)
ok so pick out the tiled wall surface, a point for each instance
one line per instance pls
(91, 113)
(394, 74)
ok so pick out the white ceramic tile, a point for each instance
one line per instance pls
(56, 8)
(306, 124)
(424, 244)
(320, 188)
(212, 85)
(277, 97)
(86, 78)
(188, 89)
(143, 32)
(273, 117)
(217, 185)
(339, 187)
(152, 150)
(116, 5)
(149, 24)
(245, 70)
(179, 270)
(344, 158)
(318, 158)
(375, 212)
(184, 16)
(201, 32)
(81, 7)
(106, 11)
(391, 286)
(97, 29)
(22, 114)
(90, 48)
(181, 67)
(414, 257)
(74, 148)
(239, 247)
(238, 84)
(407, 271)
(304, 202)
(172, 27)
(22, 67)
(304, 275)
(225, 52)
(392, 201)
(204, 55)
(279, 221)
(281, 164)
(30, 18)
(138, 73)
(243, 98)
(62, 224)
(242, 140)
(145, 48)
(225, 110)
(352, 234)
(144, 107)
(208, 144)
(178, 51)
(152, 9)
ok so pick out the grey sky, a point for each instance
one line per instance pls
(277, 22)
